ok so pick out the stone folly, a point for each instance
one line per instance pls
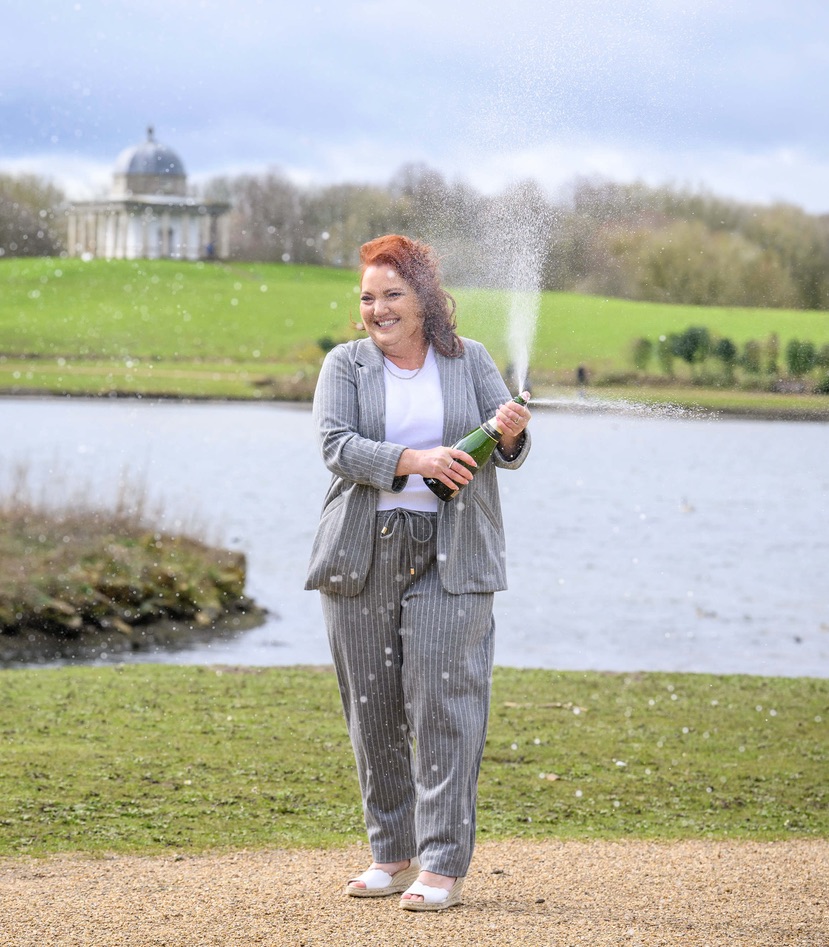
(148, 213)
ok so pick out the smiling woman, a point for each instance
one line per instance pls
(407, 587)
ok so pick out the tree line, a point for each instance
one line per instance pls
(755, 364)
(633, 241)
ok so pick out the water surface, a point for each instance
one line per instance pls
(634, 543)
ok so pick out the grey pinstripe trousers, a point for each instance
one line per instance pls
(414, 665)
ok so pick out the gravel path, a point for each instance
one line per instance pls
(536, 894)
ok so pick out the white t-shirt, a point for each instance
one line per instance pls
(414, 417)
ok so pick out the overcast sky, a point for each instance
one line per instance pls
(727, 95)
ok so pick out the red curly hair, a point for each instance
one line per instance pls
(417, 264)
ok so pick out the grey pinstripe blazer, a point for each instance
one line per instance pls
(349, 413)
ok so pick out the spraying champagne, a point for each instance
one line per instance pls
(479, 444)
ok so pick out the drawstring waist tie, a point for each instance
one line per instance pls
(408, 520)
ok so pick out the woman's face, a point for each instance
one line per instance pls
(391, 312)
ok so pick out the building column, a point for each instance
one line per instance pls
(111, 228)
(72, 234)
(123, 235)
(193, 237)
(224, 237)
(204, 234)
(100, 234)
(185, 235)
(165, 234)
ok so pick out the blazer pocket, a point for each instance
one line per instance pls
(343, 545)
(494, 519)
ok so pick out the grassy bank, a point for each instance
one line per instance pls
(148, 758)
(76, 579)
(164, 328)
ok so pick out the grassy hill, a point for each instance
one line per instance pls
(259, 330)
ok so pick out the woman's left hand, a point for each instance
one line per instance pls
(512, 419)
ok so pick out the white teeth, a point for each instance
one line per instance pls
(386, 322)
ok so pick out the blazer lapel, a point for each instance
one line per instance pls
(368, 362)
(456, 407)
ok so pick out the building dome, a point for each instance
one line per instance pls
(148, 215)
(149, 168)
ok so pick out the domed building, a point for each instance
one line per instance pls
(148, 213)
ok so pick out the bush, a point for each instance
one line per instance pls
(752, 357)
(771, 350)
(801, 357)
(693, 345)
(642, 352)
(665, 354)
(726, 351)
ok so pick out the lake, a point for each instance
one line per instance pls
(635, 542)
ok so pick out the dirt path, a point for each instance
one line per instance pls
(536, 894)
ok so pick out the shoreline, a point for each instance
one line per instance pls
(37, 649)
(598, 406)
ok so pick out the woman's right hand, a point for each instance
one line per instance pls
(441, 463)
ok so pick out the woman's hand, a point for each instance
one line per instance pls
(512, 419)
(442, 463)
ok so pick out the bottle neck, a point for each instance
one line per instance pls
(491, 429)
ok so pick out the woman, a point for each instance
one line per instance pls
(407, 580)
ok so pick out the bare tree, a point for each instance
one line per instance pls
(32, 221)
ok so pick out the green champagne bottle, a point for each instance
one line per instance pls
(479, 444)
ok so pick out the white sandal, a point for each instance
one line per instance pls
(434, 899)
(379, 883)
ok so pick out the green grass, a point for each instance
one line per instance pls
(159, 378)
(150, 758)
(167, 311)
(253, 330)
(600, 331)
